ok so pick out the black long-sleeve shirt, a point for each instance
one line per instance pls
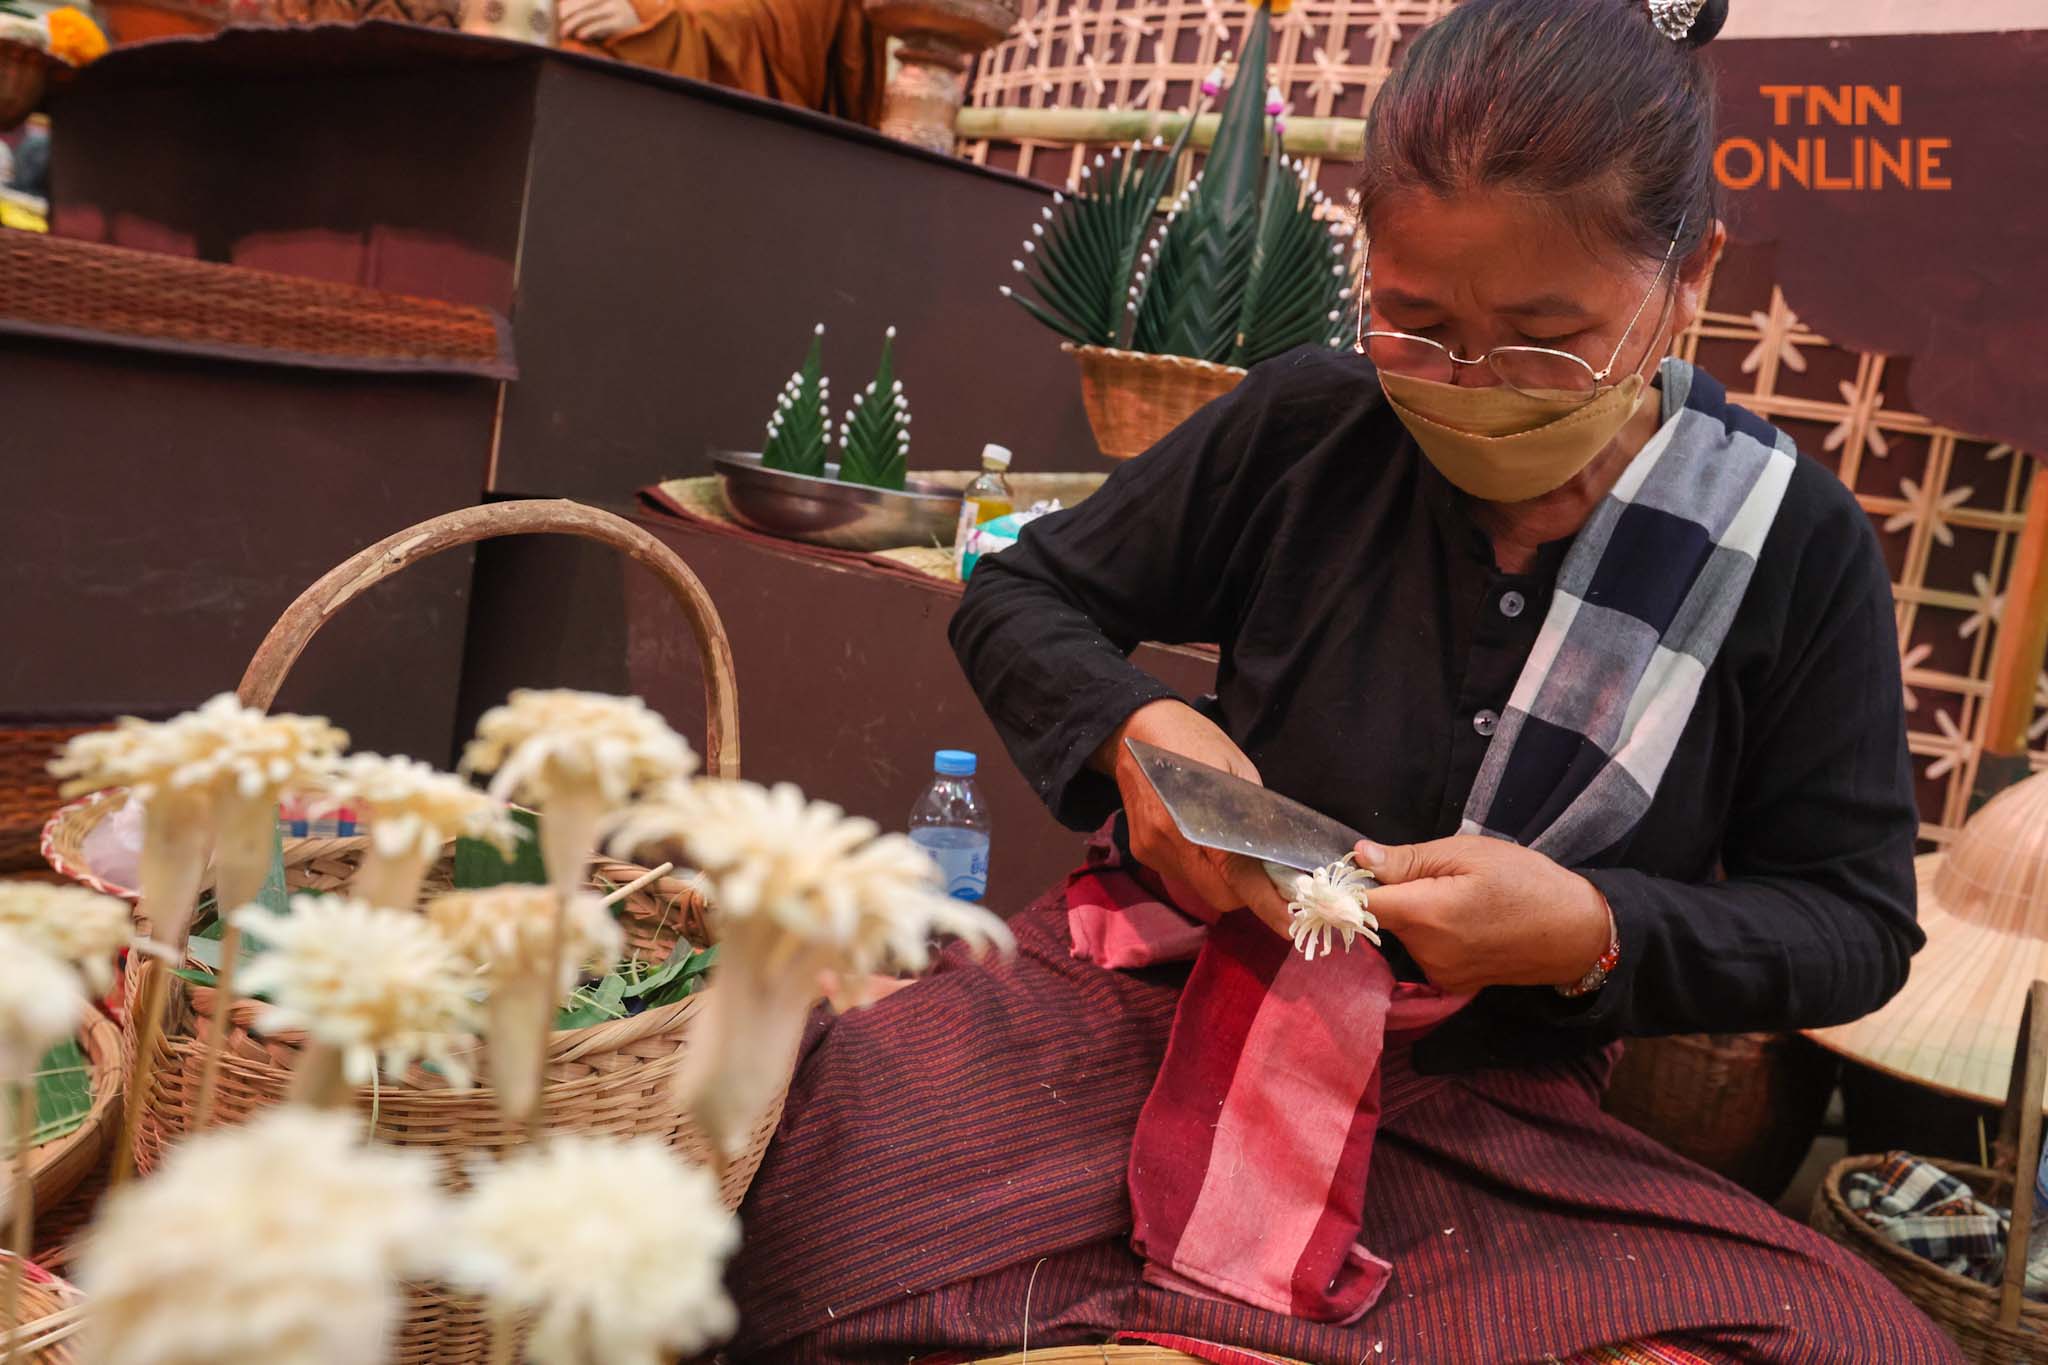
(1367, 642)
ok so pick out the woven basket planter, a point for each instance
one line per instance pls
(56, 1167)
(1134, 399)
(1994, 1326)
(1744, 1105)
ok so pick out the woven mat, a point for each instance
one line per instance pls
(60, 287)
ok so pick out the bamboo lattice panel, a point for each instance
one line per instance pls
(1945, 505)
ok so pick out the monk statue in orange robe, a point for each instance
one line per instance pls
(820, 54)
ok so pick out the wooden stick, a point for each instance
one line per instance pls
(538, 1114)
(2022, 645)
(149, 1028)
(48, 1331)
(217, 1027)
(1333, 139)
(642, 880)
(22, 1097)
(504, 1330)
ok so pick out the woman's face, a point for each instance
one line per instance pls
(1489, 268)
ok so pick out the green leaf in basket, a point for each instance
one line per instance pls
(676, 978)
(274, 896)
(594, 1004)
(63, 1091)
(479, 864)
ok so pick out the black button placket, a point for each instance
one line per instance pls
(1505, 622)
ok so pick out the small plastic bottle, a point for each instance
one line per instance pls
(987, 498)
(951, 824)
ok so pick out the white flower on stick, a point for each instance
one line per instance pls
(367, 983)
(279, 1243)
(211, 780)
(414, 810)
(799, 891)
(509, 934)
(615, 1245)
(577, 756)
(1331, 901)
(41, 1002)
(69, 923)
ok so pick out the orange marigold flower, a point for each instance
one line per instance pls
(74, 37)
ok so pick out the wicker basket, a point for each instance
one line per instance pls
(1744, 1105)
(612, 1078)
(27, 791)
(51, 1314)
(1134, 399)
(1993, 1326)
(58, 1166)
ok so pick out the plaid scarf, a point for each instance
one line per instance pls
(1248, 1169)
(1932, 1214)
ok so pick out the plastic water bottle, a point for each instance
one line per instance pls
(951, 824)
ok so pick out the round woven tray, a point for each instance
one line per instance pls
(1134, 399)
(56, 1167)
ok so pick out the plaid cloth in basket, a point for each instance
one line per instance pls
(1931, 1214)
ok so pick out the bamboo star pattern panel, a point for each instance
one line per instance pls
(1946, 508)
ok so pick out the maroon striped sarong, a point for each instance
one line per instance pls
(959, 1148)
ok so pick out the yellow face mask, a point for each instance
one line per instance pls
(1503, 445)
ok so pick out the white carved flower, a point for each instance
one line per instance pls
(375, 983)
(578, 756)
(1331, 901)
(70, 923)
(281, 1242)
(211, 779)
(509, 934)
(41, 1002)
(414, 809)
(615, 1246)
(798, 890)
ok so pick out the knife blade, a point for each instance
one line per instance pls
(1214, 809)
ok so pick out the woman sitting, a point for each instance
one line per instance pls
(1608, 675)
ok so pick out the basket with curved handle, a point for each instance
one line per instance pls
(343, 583)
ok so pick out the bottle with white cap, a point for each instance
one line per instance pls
(951, 824)
(987, 498)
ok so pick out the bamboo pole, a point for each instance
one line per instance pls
(149, 1027)
(217, 1030)
(2022, 645)
(23, 1121)
(1333, 139)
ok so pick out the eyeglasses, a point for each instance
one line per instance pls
(1539, 371)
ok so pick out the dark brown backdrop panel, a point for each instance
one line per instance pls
(846, 681)
(680, 247)
(161, 512)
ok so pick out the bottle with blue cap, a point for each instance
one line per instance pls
(951, 824)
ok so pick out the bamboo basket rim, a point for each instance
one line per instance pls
(56, 1167)
(52, 1313)
(1117, 355)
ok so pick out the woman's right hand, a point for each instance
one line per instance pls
(1227, 881)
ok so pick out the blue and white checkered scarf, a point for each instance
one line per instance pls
(1643, 602)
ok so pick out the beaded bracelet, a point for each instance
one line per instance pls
(1594, 979)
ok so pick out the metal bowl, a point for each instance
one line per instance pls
(844, 516)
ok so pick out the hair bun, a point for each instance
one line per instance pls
(1707, 23)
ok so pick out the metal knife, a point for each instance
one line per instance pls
(1213, 809)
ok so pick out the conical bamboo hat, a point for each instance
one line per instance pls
(1984, 907)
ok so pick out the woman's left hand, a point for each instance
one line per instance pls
(1476, 912)
(593, 21)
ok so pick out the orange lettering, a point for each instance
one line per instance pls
(1930, 161)
(1780, 97)
(1821, 179)
(1868, 103)
(1780, 159)
(1836, 103)
(1756, 163)
(1902, 165)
